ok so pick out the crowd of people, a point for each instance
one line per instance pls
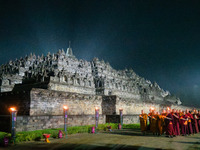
(170, 122)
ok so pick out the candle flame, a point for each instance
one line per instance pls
(96, 108)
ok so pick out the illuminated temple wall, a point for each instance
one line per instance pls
(42, 109)
(46, 102)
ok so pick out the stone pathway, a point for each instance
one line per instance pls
(117, 140)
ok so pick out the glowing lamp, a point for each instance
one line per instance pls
(13, 120)
(12, 109)
(152, 108)
(96, 118)
(65, 107)
(121, 109)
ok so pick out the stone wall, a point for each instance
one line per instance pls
(21, 100)
(130, 119)
(30, 123)
(47, 102)
(56, 86)
(124, 94)
(131, 106)
(42, 108)
(127, 119)
(134, 107)
(109, 105)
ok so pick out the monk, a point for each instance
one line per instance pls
(169, 124)
(190, 117)
(195, 125)
(180, 112)
(164, 114)
(154, 127)
(151, 112)
(184, 124)
(176, 122)
(198, 115)
(143, 122)
(161, 120)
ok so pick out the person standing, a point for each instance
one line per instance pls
(169, 124)
(143, 122)
(190, 118)
(161, 123)
(195, 124)
(154, 126)
(198, 115)
(149, 115)
(176, 123)
(184, 124)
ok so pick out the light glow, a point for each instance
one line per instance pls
(152, 108)
(65, 107)
(12, 109)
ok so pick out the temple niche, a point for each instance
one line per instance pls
(62, 71)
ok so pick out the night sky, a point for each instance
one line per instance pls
(160, 39)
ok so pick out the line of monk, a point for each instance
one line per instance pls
(171, 122)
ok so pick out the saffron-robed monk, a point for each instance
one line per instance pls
(161, 123)
(143, 122)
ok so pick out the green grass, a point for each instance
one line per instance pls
(38, 134)
(131, 126)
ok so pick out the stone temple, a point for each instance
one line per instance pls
(39, 86)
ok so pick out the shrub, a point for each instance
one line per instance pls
(38, 134)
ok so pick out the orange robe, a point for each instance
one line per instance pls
(150, 114)
(164, 125)
(154, 126)
(143, 122)
(161, 122)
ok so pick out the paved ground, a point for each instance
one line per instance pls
(126, 139)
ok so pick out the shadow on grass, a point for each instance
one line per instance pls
(195, 137)
(188, 142)
(131, 132)
(58, 146)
